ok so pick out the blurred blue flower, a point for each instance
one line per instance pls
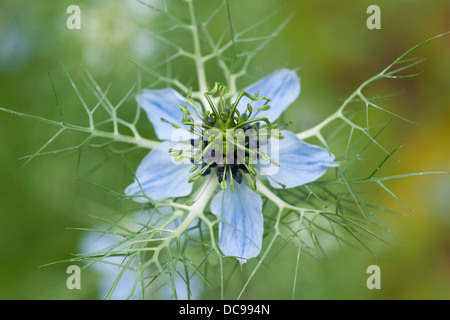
(239, 208)
(15, 50)
(109, 267)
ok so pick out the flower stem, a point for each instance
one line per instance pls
(197, 57)
(197, 208)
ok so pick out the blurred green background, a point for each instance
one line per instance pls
(327, 41)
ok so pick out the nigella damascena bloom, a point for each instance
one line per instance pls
(276, 156)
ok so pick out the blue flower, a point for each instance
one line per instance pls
(237, 206)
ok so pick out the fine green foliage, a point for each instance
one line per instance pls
(178, 239)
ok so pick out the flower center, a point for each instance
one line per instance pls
(227, 143)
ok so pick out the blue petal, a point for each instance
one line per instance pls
(241, 227)
(299, 162)
(160, 177)
(282, 87)
(163, 103)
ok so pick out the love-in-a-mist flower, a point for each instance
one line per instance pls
(236, 140)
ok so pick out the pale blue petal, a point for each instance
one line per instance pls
(160, 177)
(241, 227)
(300, 162)
(282, 87)
(163, 103)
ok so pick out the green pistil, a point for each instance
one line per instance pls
(215, 123)
(243, 124)
(230, 123)
(218, 120)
